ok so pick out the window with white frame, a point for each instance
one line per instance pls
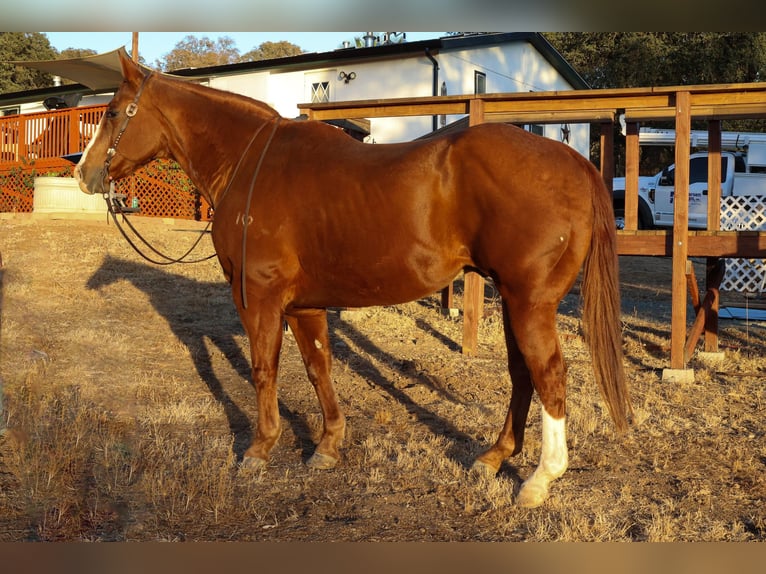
(318, 86)
(320, 92)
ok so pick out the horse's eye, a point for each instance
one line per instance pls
(111, 114)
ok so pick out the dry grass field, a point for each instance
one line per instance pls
(127, 405)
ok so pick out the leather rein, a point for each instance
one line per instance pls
(115, 208)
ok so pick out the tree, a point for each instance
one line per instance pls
(271, 50)
(23, 46)
(194, 52)
(76, 53)
(644, 59)
(635, 59)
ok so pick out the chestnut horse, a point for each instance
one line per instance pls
(308, 218)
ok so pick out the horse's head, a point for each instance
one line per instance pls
(128, 136)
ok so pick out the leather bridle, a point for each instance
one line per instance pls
(130, 111)
(115, 208)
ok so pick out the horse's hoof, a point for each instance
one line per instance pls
(531, 496)
(252, 463)
(481, 468)
(321, 461)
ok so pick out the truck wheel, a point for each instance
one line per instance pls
(644, 216)
(619, 219)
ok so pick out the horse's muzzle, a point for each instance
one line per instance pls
(92, 183)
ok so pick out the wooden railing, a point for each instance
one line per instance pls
(46, 135)
(39, 138)
(36, 144)
(679, 103)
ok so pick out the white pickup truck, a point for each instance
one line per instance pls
(741, 174)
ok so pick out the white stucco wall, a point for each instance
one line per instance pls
(513, 67)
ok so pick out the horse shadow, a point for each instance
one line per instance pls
(177, 299)
(463, 448)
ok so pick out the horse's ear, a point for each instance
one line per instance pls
(130, 71)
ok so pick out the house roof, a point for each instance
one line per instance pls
(101, 73)
(387, 51)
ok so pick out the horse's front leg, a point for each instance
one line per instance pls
(310, 329)
(263, 324)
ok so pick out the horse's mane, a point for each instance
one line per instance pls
(222, 96)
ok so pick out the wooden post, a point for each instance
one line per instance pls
(447, 297)
(607, 153)
(473, 283)
(134, 55)
(715, 266)
(714, 176)
(680, 231)
(73, 123)
(21, 148)
(713, 277)
(631, 175)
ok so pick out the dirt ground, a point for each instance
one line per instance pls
(127, 405)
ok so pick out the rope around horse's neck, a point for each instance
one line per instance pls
(166, 259)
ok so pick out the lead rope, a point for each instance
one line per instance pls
(246, 213)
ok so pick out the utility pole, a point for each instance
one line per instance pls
(135, 47)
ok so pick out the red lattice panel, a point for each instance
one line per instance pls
(163, 190)
(17, 182)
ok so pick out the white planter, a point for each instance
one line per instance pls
(63, 195)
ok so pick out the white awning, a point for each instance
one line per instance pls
(99, 72)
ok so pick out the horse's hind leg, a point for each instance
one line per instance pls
(511, 438)
(310, 330)
(534, 333)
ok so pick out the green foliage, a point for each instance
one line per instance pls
(271, 50)
(639, 59)
(199, 52)
(644, 59)
(23, 46)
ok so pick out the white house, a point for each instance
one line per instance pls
(465, 64)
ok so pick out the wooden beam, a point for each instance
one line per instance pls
(698, 326)
(746, 244)
(552, 116)
(680, 231)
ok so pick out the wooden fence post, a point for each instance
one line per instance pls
(680, 236)
(473, 283)
(715, 266)
(631, 175)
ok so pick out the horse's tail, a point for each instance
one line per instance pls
(601, 306)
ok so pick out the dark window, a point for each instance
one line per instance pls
(698, 170)
(479, 83)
